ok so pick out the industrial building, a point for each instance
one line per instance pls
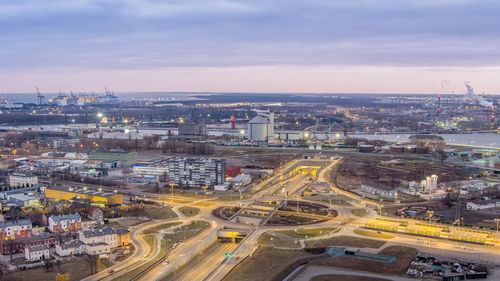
(261, 127)
(22, 200)
(64, 143)
(192, 128)
(65, 193)
(197, 172)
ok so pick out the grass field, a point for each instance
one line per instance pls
(189, 211)
(232, 197)
(156, 229)
(264, 264)
(270, 240)
(373, 234)
(309, 233)
(78, 268)
(345, 241)
(187, 231)
(203, 204)
(158, 213)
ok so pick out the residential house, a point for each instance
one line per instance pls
(62, 223)
(73, 247)
(36, 253)
(15, 229)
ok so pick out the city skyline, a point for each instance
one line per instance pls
(381, 46)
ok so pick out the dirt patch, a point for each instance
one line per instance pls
(305, 207)
(225, 212)
(339, 277)
(281, 219)
(373, 234)
(404, 256)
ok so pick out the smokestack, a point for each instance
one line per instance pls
(233, 122)
(439, 104)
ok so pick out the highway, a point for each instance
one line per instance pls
(212, 266)
(207, 263)
(141, 254)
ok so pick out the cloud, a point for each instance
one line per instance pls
(148, 34)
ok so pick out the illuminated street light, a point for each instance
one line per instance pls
(100, 115)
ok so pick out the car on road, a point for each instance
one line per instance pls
(165, 263)
(111, 271)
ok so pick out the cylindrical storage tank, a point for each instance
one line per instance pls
(258, 129)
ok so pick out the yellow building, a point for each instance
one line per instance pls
(65, 193)
(122, 237)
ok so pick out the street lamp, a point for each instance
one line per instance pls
(99, 115)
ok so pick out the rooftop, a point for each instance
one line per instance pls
(259, 120)
(98, 232)
(38, 248)
(88, 192)
(72, 244)
(59, 218)
(5, 224)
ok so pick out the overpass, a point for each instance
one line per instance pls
(233, 233)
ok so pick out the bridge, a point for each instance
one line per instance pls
(233, 233)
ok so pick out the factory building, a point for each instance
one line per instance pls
(197, 172)
(192, 128)
(64, 193)
(261, 127)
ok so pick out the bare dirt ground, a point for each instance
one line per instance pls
(404, 255)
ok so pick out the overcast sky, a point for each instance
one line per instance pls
(341, 46)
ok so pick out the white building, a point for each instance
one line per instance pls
(106, 235)
(60, 143)
(62, 223)
(35, 253)
(15, 229)
(241, 180)
(197, 172)
(483, 204)
(150, 170)
(98, 248)
(22, 179)
(73, 247)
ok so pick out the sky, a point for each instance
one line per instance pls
(313, 46)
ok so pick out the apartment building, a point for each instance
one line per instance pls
(197, 172)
